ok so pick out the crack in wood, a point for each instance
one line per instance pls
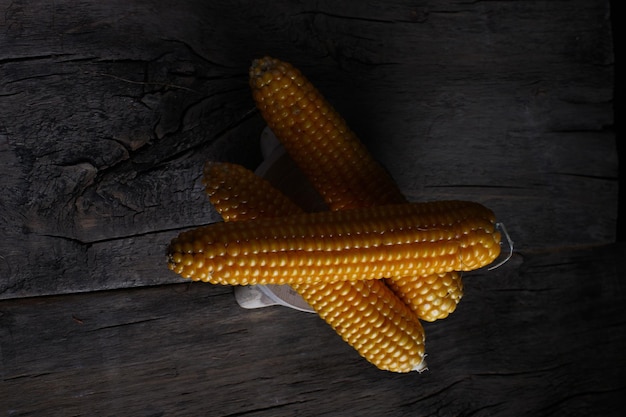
(436, 393)
(12, 60)
(587, 176)
(524, 290)
(269, 408)
(125, 324)
(26, 376)
(343, 17)
(90, 243)
(480, 409)
(556, 407)
(486, 186)
(149, 83)
(526, 372)
(37, 77)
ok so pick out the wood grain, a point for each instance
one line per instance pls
(108, 111)
(543, 335)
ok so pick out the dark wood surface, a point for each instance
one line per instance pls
(109, 109)
(544, 336)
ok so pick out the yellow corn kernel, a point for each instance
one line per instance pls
(384, 241)
(432, 297)
(366, 314)
(370, 318)
(239, 194)
(318, 138)
(320, 142)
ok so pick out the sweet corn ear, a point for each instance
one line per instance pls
(239, 194)
(369, 317)
(385, 241)
(318, 139)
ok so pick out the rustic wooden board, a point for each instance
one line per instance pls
(109, 109)
(543, 335)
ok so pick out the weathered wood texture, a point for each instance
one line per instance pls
(544, 336)
(109, 109)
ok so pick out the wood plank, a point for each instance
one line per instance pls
(542, 335)
(110, 109)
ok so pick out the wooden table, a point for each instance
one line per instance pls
(108, 111)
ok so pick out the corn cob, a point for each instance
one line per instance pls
(366, 314)
(382, 241)
(432, 297)
(317, 138)
(336, 162)
(239, 194)
(369, 317)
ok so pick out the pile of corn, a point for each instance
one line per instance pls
(373, 266)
